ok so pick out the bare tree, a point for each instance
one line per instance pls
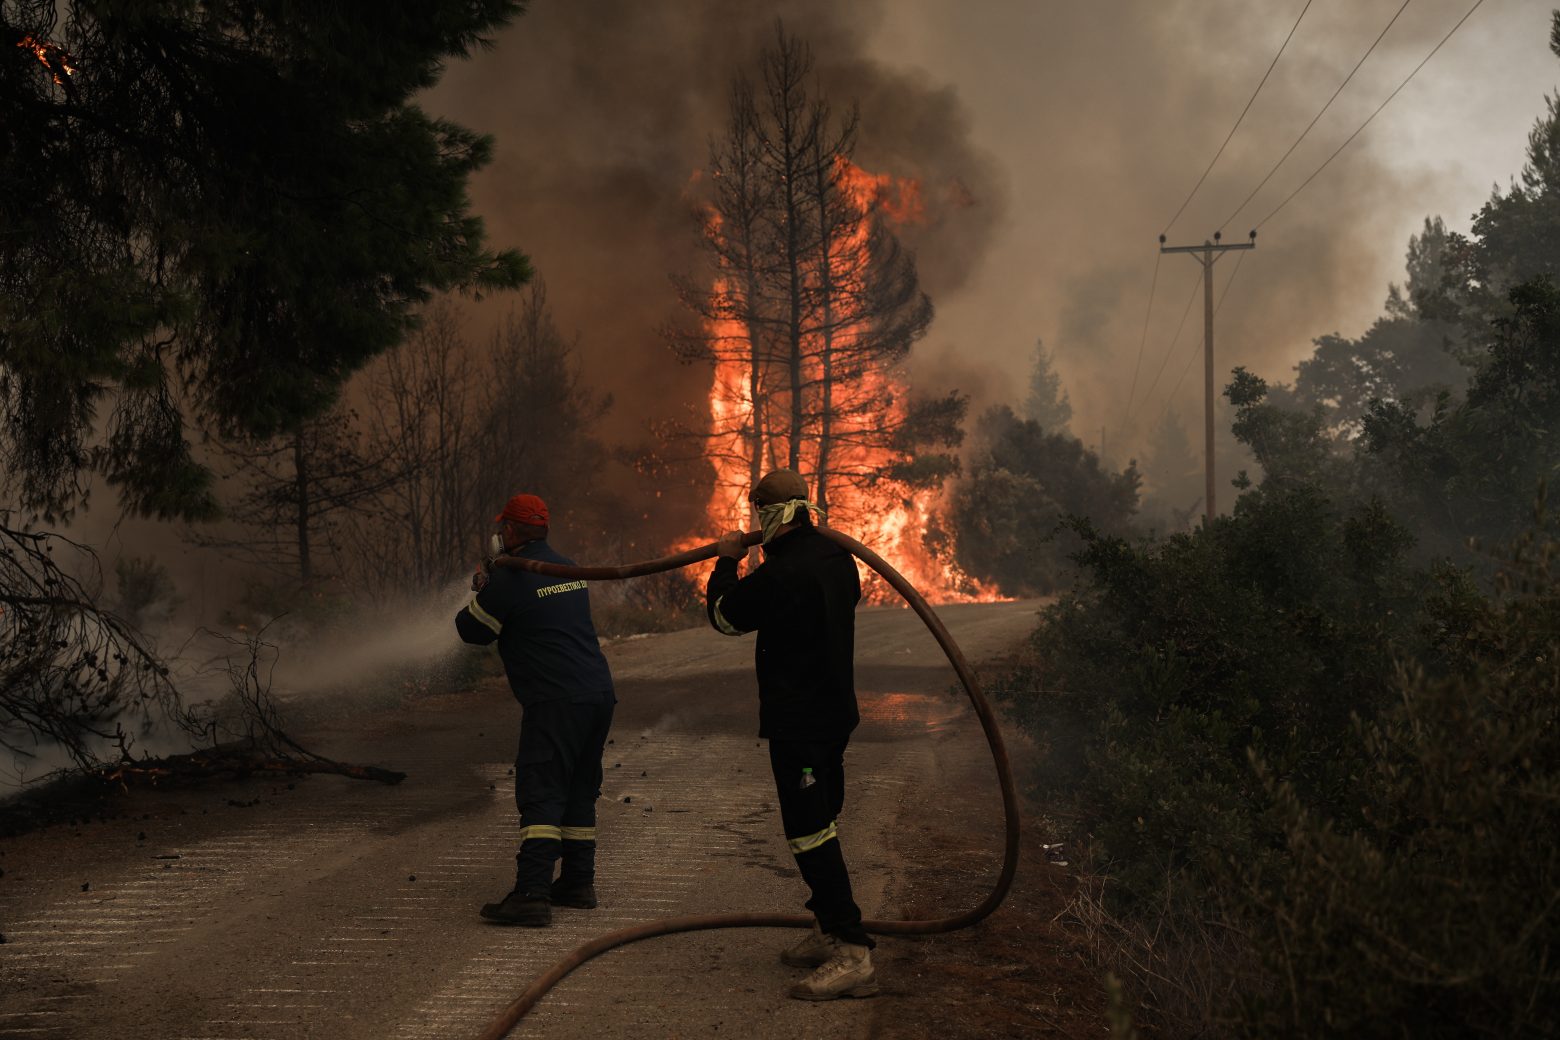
(294, 490)
(538, 414)
(796, 133)
(423, 414)
(734, 327)
(463, 428)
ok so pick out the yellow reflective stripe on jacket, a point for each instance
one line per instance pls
(721, 623)
(541, 830)
(483, 616)
(579, 834)
(812, 841)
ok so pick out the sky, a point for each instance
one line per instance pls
(1072, 130)
(1103, 120)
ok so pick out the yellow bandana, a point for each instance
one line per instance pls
(773, 517)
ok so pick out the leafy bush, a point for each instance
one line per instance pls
(1008, 512)
(1267, 630)
(1435, 905)
(1350, 766)
(656, 603)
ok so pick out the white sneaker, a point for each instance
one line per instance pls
(814, 949)
(847, 974)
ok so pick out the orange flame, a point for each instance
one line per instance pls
(897, 199)
(886, 515)
(54, 57)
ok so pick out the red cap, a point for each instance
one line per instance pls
(524, 509)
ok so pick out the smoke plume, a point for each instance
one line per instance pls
(1054, 141)
(604, 113)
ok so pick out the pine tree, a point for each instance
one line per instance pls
(1047, 403)
(219, 209)
(1171, 468)
(814, 302)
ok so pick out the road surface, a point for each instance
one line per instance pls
(334, 908)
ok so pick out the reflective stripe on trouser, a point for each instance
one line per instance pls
(557, 781)
(808, 842)
(810, 815)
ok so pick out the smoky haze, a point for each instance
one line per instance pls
(1103, 116)
(604, 113)
(1053, 140)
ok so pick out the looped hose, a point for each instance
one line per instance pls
(517, 1010)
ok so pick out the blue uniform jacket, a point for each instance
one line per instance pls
(544, 632)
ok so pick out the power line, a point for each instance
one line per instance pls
(1477, 4)
(1193, 356)
(1152, 285)
(1317, 117)
(1170, 350)
(1239, 119)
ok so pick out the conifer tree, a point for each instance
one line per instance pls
(217, 211)
(1047, 403)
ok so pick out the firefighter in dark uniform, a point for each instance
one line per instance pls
(555, 666)
(802, 602)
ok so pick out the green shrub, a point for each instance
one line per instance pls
(1433, 908)
(1267, 630)
(1346, 770)
(657, 603)
(1006, 515)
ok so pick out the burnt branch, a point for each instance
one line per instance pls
(72, 674)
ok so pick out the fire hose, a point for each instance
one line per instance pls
(522, 1004)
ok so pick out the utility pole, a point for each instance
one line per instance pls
(1211, 251)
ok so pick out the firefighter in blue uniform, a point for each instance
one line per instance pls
(556, 669)
(802, 602)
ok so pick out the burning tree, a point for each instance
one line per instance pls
(812, 310)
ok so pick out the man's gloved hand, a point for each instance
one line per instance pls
(730, 545)
(479, 580)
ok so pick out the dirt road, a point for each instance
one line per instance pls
(333, 908)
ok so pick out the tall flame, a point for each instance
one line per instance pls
(887, 515)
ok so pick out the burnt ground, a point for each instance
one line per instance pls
(275, 908)
(1018, 973)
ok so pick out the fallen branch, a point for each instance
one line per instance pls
(235, 760)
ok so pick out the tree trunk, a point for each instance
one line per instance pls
(793, 262)
(755, 389)
(826, 326)
(301, 501)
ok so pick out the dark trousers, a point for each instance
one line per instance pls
(810, 814)
(557, 782)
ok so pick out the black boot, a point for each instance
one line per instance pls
(581, 895)
(527, 911)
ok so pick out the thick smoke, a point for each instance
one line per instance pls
(1055, 141)
(604, 111)
(1102, 116)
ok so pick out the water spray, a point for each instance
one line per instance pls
(522, 1004)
